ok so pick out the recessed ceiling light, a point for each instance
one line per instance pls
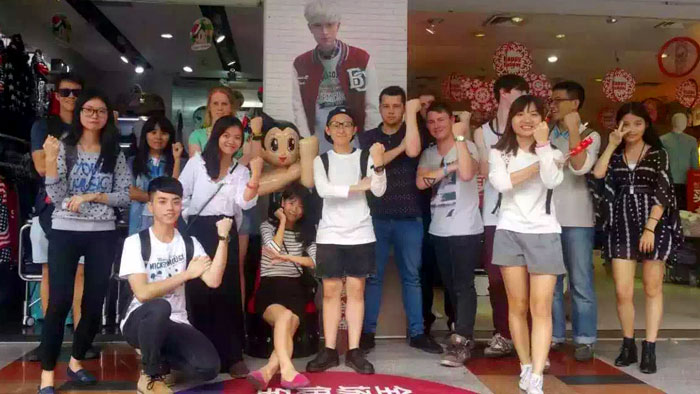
(124, 59)
(560, 36)
(187, 69)
(552, 59)
(611, 19)
(166, 36)
(517, 19)
(664, 55)
(432, 23)
(138, 70)
(599, 79)
(220, 38)
(479, 35)
(231, 63)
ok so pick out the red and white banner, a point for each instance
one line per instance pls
(687, 93)
(512, 58)
(618, 85)
(606, 118)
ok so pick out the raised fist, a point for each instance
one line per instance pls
(177, 150)
(256, 166)
(223, 227)
(541, 133)
(413, 106)
(51, 148)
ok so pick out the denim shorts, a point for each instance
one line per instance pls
(540, 253)
(339, 261)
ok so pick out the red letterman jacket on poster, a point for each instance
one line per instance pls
(357, 77)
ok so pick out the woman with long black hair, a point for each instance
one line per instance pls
(642, 224)
(87, 177)
(158, 154)
(217, 186)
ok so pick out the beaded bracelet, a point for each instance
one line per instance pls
(585, 143)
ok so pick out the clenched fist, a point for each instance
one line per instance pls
(377, 152)
(177, 150)
(223, 227)
(51, 148)
(413, 106)
(541, 133)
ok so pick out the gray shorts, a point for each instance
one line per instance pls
(540, 253)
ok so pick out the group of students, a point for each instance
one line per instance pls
(535, 225)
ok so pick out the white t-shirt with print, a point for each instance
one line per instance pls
(167, 260)
(454, 205)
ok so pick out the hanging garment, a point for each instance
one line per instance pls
(16, 107)
(40, 93)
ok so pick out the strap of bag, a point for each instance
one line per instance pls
(194, 218)
(145, 238)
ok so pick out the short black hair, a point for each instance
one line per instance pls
(509, 82)
(71, 77)
(438, 106)
(573, 89)
(165, 184)
(393, 91)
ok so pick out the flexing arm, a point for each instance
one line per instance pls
(212, 276)
(412, 141)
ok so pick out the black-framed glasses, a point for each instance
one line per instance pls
(68, 92)
(561, 100)
(101, 112)
(337, 125)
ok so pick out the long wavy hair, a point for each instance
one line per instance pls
(212, 153)
(638, 109)
(144, 150)
(231, 99)
(304, 228)
(109, 135)
(509, 142)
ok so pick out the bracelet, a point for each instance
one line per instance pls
(648, 229)
(378, 169)
(257, 137)
(581, 146)
(653, 218)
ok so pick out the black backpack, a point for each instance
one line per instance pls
(145, 238)
(548, 203)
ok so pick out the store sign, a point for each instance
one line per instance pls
(618, 85)
(687, 93)
(678, 57)
(61, 28)
(202, 34)
(606, 118)
(512, 58)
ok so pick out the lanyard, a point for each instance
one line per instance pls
(637, 165)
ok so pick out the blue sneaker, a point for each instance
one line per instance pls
(46, 390)
(82, 377)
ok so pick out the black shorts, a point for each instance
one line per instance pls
(281, 290)
(339, 261)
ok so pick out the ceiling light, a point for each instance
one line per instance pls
(599, 79)
(220, 38)
(432, 23)
(124, 59)
(67, 68)
(612, 19)
(430, 29)
(187, 69)
(517, 19)
(664, 55)
(560, 36)
(231, 63)
(479, 35)
(166, 36)
(552, 59)
(138, 70)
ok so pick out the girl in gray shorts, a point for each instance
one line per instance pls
(524, 168)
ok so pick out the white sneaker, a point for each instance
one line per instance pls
(535, 384)
(525, 373)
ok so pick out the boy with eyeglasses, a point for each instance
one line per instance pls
(345, 237)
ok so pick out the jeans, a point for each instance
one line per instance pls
(406, 235)
(577, 245)
(162, 340)
(457, 257)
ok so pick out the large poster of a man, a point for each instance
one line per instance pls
(331, 75)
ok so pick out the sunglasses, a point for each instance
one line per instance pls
(68, 92)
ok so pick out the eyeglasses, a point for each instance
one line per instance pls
(337, 125)
(90, 112)
(68, 92)
(561, 100)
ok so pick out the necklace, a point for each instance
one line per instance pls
(634, 171)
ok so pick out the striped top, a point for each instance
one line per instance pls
(291, 247)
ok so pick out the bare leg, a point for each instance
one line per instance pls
(541, 294)
(78, 293)
(284, 324)
(355, 310)
(516, 282)
(623, 274)
(653, 274)
(331, 310)
(44, 289)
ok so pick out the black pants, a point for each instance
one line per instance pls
(429, 278)
(165, 342)
(65, 248)
(218, 313)
(457, 258)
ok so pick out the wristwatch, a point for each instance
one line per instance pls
(460, 138)
(225, 239)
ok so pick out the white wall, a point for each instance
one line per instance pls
(379, 27)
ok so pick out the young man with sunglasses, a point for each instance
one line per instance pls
(68, 88)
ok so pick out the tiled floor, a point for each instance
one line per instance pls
(678, 370)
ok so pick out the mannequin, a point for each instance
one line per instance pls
(682, 153)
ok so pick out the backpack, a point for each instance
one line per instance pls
(145, 240)
(548, 203)
(364, 159)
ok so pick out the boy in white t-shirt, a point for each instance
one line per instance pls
(156, 319)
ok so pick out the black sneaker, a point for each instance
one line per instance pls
(367, 342)
(326, 358)
(356, 360)
(425, 343)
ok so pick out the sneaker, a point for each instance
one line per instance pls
(325, 359)
(425, 343)
(525, 372)
(239, 370)
(556, 346)
(584, 352)
(547, 364)
(367, 342)
(355, 359)
(458, 351)
(499, 347)
(152, 385)
(535, 386)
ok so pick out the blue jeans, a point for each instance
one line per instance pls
(406, 235)
(577, 245)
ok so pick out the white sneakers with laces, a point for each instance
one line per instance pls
(535, 386)
(525, 373)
